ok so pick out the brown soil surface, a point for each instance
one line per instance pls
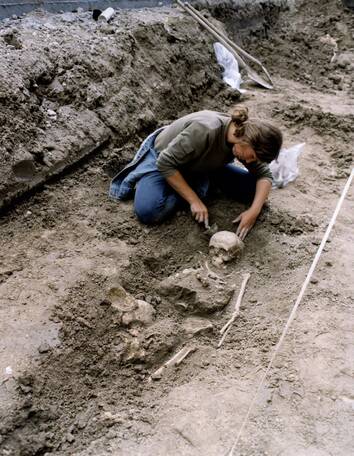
(81, 363)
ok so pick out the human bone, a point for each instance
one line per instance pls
(224, 246)
(128, 309)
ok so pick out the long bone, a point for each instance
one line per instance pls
(226, 328)
(174, 361)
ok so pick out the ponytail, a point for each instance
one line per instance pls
(265, 139)
(239, 116)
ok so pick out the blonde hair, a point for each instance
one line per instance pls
(265, 139)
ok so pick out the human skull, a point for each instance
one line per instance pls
(224, 246)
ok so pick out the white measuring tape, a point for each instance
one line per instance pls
(294, 309)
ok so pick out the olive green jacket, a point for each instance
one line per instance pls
(197, 143)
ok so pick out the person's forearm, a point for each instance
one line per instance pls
(198, 209)
(179, 184)
(263, 187)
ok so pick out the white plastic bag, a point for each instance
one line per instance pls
(284, 168)
(231, 74)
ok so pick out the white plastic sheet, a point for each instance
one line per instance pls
(285, 168)
(231, 74)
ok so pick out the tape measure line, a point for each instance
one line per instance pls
(294, 309)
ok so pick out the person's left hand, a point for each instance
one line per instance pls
(246, 221)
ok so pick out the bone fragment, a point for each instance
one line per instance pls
(226, 328)
(212, 274)
(174, 361)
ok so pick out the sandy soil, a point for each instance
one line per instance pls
(81, 359)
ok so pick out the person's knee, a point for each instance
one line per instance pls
(149, 215)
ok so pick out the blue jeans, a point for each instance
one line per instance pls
(155, 200)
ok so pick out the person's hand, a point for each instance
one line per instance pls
(246, 221)
(200, 212)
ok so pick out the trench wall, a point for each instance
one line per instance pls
(9, 8)
(70, 85)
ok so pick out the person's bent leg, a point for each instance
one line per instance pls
(154, 199)
(236, 183)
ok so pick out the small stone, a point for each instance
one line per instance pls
(82, 420)
(343, 60)
(44, 348)
(143, 313)
(314, 280)
(110, 418)
(157, 375)
(26, 389)
(69, 437)
(336, 78)
(25, 379)
(111, 434)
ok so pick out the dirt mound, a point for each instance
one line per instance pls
(337, 128)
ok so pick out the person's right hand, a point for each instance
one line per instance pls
(200, 212)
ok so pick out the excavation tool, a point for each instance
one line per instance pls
(239, 54)
(210, 229)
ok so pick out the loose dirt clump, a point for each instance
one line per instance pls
(196, 291)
